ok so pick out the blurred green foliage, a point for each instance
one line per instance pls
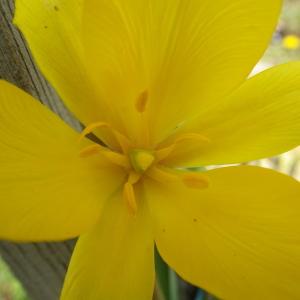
(10, 288)
(289, 24)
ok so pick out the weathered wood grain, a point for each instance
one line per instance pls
(40, 267)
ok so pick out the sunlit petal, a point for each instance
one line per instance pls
(182, 55)
(47, 191)
(238, 239)
(260, 119)
(53, 31)
(115, 260)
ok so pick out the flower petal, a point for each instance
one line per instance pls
(115, 260)
(260, 119)
(239, 239)
(184, 55)
(52, 29)
(47, 192)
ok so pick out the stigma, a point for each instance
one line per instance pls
(141, 160)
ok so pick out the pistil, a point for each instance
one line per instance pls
(140, 163)
(141, 160)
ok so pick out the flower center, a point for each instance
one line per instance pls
(140, 163)
(141, 160)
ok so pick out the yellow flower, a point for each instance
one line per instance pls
(163, 84)
(291, 42)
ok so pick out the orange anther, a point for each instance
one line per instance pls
(141, 101)
(196, 180)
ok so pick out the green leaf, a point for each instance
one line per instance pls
(167, 280)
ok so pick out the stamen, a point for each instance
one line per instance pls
(90, 150)
(141, 102)
(121, 139)
(129, 197)
(134, 177)
(117, 158)
(141, 106)
(90, 128)
(161, 175)
(191, 180)
(163, 153)
(192, 136)
(114, 157)
(196, 180)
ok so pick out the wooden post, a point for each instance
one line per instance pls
(40, 267)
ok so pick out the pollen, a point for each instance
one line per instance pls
(141, 160)
(196, 181)
(141, 101)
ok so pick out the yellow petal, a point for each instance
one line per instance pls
(115, 260)
(52, 29)
(47, 191)
(182, 55)
(238, 239)
(260, 119)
